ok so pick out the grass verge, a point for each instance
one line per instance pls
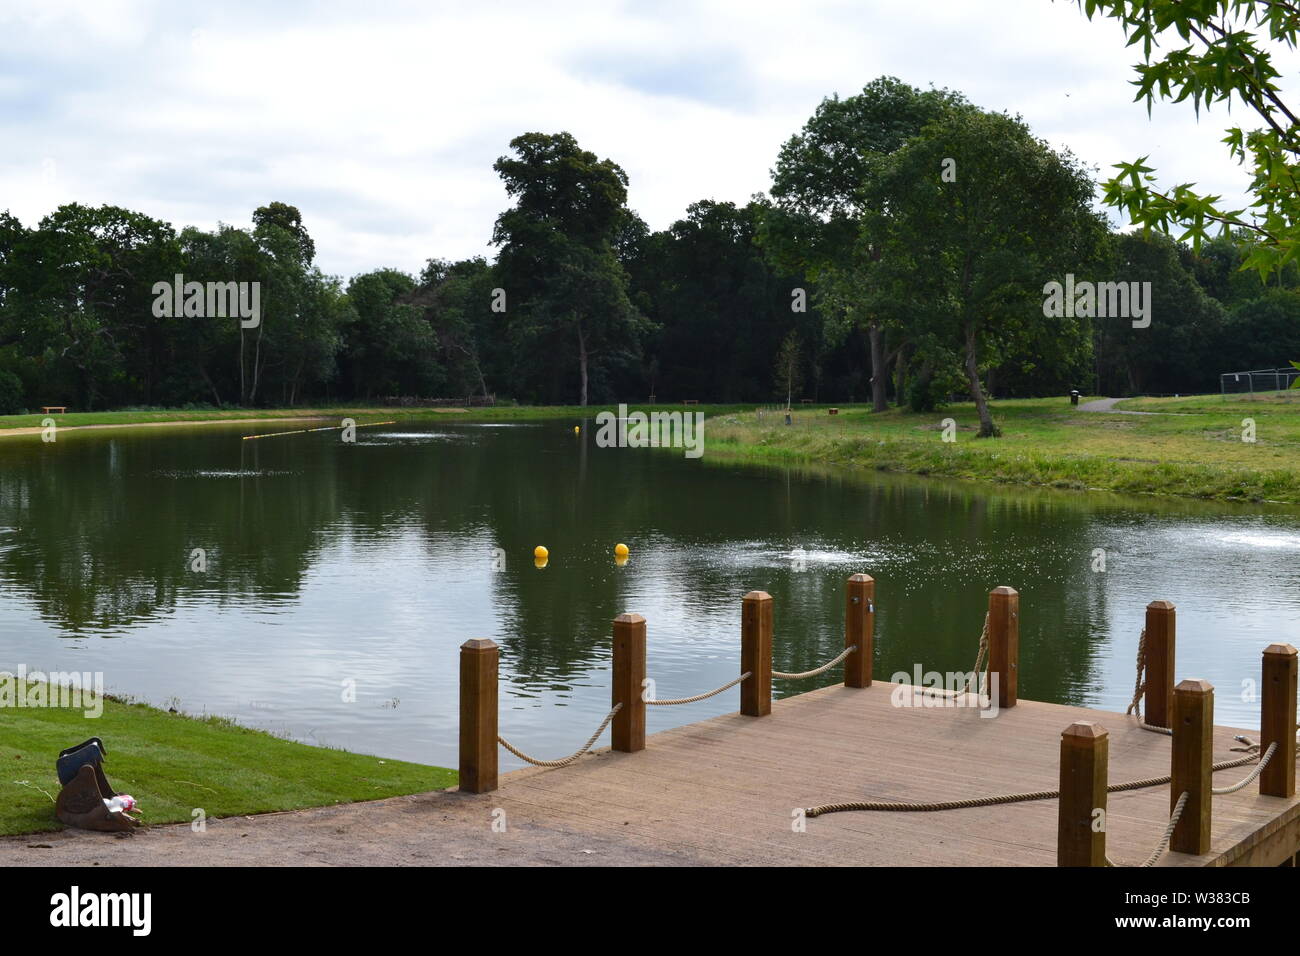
(173, 764)
(1191, 447)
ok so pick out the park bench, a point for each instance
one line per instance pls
(61, 409)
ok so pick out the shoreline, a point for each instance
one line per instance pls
(1188, 450)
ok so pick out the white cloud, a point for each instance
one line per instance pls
(382, 125)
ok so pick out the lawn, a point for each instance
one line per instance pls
(149, 416)
(174, 764)
(1192, 448)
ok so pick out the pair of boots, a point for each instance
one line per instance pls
(81, 802)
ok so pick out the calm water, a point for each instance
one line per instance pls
(371, 563)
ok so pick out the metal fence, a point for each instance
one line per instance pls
(1264, 381)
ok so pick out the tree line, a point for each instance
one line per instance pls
(901, 255)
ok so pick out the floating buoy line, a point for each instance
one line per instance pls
(323, 428)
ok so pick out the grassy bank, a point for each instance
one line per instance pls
(1190, 447)
(1193, 447)
(173, 764)
(23, 424)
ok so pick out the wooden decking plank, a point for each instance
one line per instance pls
(723, 789)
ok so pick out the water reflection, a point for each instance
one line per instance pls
(332, 565)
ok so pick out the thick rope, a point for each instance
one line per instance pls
(1168, 835)
(980, 660)
(572, 757)
(697, 697)
(1140, 689)
(1001, 798)
(818, 670)
(1259, 768)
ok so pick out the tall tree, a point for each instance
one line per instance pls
(974, 216)
(558, 266)
(819, 225)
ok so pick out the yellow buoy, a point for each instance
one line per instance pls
(620, 550)
(540, 553)
(576, 429)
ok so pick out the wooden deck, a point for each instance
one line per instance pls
(723, 790)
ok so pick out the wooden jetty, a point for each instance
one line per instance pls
(737, 788)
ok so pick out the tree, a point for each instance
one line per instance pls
(84, 279)
(976, 247)
(1215, 58)
(1176, 353)
(721, 307)
(558, 264)
(820, 210)
(392, 348)
(457, 297)
(789, 374)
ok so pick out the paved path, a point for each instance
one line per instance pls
(1108, 405)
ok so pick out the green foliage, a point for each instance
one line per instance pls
(818, 223)
(1183, 350)
(789, 371)
(971, 252)
(11, 393)
(567, 289)
(1216, 52)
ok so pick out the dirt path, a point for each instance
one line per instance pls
(442, 828)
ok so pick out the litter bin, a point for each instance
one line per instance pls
(1074, 396)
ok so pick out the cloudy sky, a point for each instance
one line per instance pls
(381, 120)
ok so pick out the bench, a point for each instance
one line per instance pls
(61, 409)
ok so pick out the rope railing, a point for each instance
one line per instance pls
(565, 761)
(1250, 777)
(1083, 747)
(981, 661)
(1140, 689)
(697, 697)
(817, 670)
(1168, 835)
(1026, 797)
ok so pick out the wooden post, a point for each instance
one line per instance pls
(1191, 762)
(1004, 642)
(859, 629)
(756, 654)
(628, 729)
(1160, 663)
(1277, 720)
(1080, 832)
(478, 715)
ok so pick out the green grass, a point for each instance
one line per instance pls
(147, 416)
(173, 764)
(1193, 450)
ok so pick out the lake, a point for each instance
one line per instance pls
(342, 578)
